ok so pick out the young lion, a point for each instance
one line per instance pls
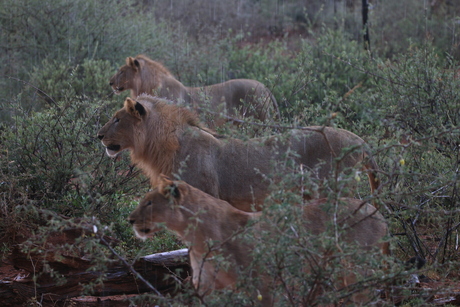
(168, 139)
(237, 98)
(201, 221)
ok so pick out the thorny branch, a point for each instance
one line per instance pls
(129, 266)
(36, 88)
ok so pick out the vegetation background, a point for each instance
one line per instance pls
(401, 95)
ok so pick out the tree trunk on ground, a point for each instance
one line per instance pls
(118, 279)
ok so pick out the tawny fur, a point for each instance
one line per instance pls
(168, 139)
(201, 220)
(237, 98)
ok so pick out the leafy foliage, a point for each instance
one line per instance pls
(70, 32)
(59, 80)
(402, 98)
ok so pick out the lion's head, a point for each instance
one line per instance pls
(141, 75)
(127, 77)
(118, 133)
(149, 128)
(158, 208)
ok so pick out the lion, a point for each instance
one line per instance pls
(169, 139)
(209, 227)
(237, 98)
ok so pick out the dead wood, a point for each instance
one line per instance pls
(74, 271)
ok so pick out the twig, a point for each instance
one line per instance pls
(36, 88)
(130, 267)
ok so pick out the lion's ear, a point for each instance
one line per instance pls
(168, 188)
(134, 108)
(132, 62)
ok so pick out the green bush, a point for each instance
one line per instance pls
(408, 110)
(402, 99)
(70, 33)
(53, 160)
(420, 112)
(59, 80)
(393, 30)
(310, 83)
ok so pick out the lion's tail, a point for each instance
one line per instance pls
(275, 106)
(269, 99)
(372, 169)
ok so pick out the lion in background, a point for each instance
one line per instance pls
(169, 139)
(208, 226)
(237, 98)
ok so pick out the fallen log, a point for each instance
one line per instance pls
(57, 275)
(168, 258)
(117, 280)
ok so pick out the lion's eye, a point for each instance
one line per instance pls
(116, 120)
(148, 203)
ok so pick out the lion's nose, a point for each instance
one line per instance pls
(131, 221)
(110, 83)
(100, 136)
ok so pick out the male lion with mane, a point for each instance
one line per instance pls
(210, 227)
(168, 139)
(236, 98)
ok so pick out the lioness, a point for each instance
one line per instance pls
(236, 98)
(201, 221)
(168, 139)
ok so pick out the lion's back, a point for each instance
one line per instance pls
(322, 146)
(360, 222)
(249, 97)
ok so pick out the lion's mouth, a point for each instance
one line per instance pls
(143, 233)
(145, 230)
(118, 90)
(112, 150)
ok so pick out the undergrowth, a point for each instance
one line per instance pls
(406, 106)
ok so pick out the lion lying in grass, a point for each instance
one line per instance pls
(237, 98)
(202, 221)
(169, 139)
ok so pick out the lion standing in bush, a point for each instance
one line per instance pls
(236, 98)
(218, 256)
(168, 139)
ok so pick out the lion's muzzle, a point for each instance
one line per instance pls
(116, 89)
(111, 150)
(111, 147)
